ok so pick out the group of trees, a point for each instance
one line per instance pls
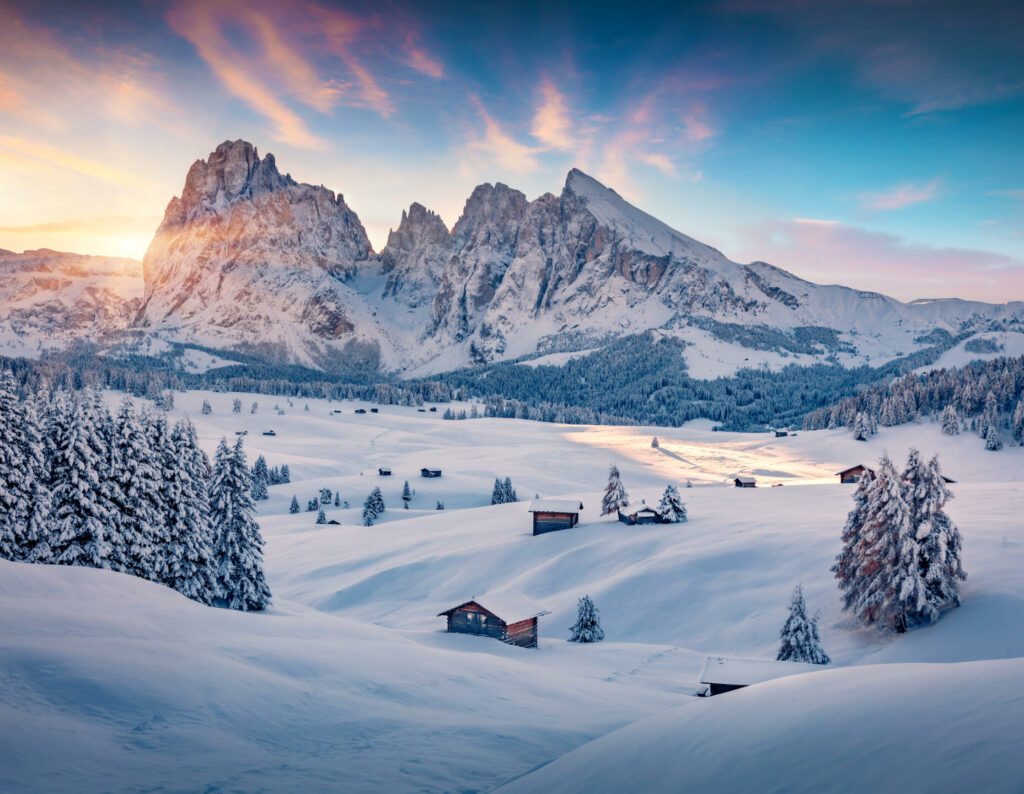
(263, 476)
(671, 507)
(373, 507)
(983, 397)
(126, 492)
(900, 562)
(503, 492)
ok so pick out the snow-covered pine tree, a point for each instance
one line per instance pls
(137, 474)
(799, 635)
(321, 517)
(378, 501)
(671, 505)
(260, 479)
(509, 491)
(369, 514)
(312, 505)
(993, 443)
(34, 540)
(893, 591)
(78, 512)
(615, 495)
(187, 555)
(325, 496)
(406, 494)
(254, 408)
(207, 409)
(588, 622)
(861, 428)
(940, 543)
(286, 474)
(497, 493)
(1017, 423)
(236, 406)
(950, 421)
(238, 544)
(440, 505)
(654, 443)
(337, 498)
(294, 506)
(16, 473)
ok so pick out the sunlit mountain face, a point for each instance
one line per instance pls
(875, 145)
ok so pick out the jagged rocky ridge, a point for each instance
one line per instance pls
(249, 259)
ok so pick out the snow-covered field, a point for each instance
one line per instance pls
(349, 683)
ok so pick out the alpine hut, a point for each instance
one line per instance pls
(853, 474)
(384, 471)
(506, 616)
(745, 482)
(430, 473)
(721, 674)
(640, 514)
(550, 515)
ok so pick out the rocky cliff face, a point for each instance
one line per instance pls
(50, 299)
(248, 258)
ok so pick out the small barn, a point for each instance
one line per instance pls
(360, 410)
(551, 515)
(745, 482)
(722, 674)
(853, 474)
(384, 471)
(375, 410)
(640, 514)
(430, 473)
(507, 617)
(781, 433)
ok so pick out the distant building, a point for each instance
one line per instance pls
(269, 433)
(507, 617)
(781, 433)
(640, 514)
(853, 474)
(745, 482)
(551, 515)
(721, 674)
(384, 472)
(360, 410)
(374, 410)
(430, 472)
(334, 522)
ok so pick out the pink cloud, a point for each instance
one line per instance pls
(500, 147)
(831, 252)
(420, 60)
(903, 195)
(551, 124)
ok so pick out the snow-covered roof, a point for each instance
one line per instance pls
(632, 510)
(746, 479)
(852, 468)
(555, 506)
(509, 605)
(743, 672)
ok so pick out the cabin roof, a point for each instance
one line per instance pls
(508, 605)
(745, 479)
(555, 506)
(854, 468)
(743, 672)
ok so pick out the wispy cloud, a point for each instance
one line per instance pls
(501, 147)
(902, 195)
(1013, 194)
(551, 124)
(419, 59)
(62, 158)
(832, 252)
(98, 224)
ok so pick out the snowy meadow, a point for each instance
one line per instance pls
(348, 681)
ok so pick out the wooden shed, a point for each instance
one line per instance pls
(384, 471)
(745, 482)
(507, 617)
(360, 410)
(721, 674)
(853, 474)
(640, 514)
(430, 472)
(550, 515)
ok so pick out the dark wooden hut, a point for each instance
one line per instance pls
(384, 471)
(550, 515)
(430, 472)
(853, 474)
(781, 433)
(745, 482)
(640, 514)
(721, 674)
(507, 617)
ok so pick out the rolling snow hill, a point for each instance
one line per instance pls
(349, 682)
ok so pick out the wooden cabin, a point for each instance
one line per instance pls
(384, 472)
(269, 433)
(781, 433)
(433, 409)
(334, 522)
(853, 474)
(375, 410)
(430, 472)
(360, 410)
(745, 482)
(506, 617)
(721, 674)
(551, 515)
(640, 514)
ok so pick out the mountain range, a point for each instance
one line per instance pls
(248, 259)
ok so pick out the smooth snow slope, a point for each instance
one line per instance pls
(349, 683)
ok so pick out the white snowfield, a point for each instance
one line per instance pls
(349, 682)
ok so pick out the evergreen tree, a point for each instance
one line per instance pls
(861, 428)
(378, 501)
(406, 494)
(325, 496)
(337, 498)
(78, 514)
(294, 507)
(497, 493)
(992, 441)
(207, 408)
(588, 623)
(238, 545)
(940, 544)
(35, 540)
(509, 491)
(187, 557)
(260, 478)
(236, 406)
(615, 495)
(321, 517)
(286, 474)
(950, 421)
(671, 505)
(440, 505)
(312, 505)
(1017, 423)
(800, 640)
(893, 590)
(16, 474)
(654, 443)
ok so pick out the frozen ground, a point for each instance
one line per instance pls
(349, 683)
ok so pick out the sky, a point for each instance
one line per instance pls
(878, 144)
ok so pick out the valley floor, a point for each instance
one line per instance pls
(349, 683)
